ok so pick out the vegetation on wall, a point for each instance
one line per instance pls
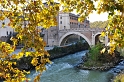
(62, 51)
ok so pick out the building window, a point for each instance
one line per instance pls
(79, 26)
(60, 22)
(61, 17)
(7, 33)
(10, 32)
(64, 27)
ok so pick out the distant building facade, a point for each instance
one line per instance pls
(6, 30)
(70, 20)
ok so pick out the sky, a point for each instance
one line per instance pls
(96, 17)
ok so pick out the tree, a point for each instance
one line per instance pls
(115, 10)
(27, 15)
(99, 24)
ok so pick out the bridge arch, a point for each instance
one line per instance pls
(98, 33)
(76, 33)
(96, 37)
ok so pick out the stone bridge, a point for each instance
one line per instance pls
(89, 34)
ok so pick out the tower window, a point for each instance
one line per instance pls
(64, 27)
(7, 33)
(61, 17)
(60, 22)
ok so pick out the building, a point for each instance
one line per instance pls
(65, 21)
(70, 20)
(6, 30)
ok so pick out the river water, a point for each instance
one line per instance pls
(64, 70)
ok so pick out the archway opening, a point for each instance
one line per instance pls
(70, 39)
(99, 39)
(73, 39)
(64, 38)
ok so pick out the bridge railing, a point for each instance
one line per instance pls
(82, 29)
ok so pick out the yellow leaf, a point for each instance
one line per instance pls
(37, 78)
(26, 19)
(103, 50)
(40, 39)
(103, 34)
(37, 68)
(28, 53)
(20, 54)
(14, 63)
(28, 72)
(34, 61)
(13, 56)
(1, 74)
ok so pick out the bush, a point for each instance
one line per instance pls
(94, 52)
(95, 57)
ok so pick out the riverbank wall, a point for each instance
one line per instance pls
(57, 52)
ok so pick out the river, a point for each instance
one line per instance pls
(64, 70)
